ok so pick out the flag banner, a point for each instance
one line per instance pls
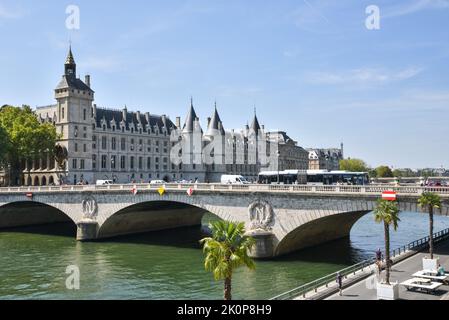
(161, 191)
(190, 192)
(134, 190)
(389, 195)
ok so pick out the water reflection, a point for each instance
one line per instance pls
(169, 264)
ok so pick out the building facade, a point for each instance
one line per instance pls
(98, 143)
(325, 159)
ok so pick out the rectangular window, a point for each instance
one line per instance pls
(103, 143)
(76, 147)
(122, 162)
(74, 164)
(82, 164)
(84, 114)
(113, 162)
(94, 162)
(103, 161)
(131, 163)
(123, 144)
(148, 163)
(84, 148)
(132, 145)
(113, 143)
(140, 163)
(140, 145)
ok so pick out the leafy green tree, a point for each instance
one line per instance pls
(354, 165)
(429, 201)
(384, 172)
(28, 137)
(387, 212)
(227, 250)
(5, 146)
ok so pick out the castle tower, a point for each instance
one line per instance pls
(75, 121)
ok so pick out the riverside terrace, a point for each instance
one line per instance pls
(282, 218)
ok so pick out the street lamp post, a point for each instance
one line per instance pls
(278, 155)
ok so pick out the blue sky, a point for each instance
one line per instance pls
(311, 67)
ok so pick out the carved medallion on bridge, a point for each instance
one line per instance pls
(261, 215)
(90, 208)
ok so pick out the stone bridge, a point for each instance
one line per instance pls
(282, 218)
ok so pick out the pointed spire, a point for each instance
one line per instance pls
(70, 59)
(215, 124)
(190, 119)
(255, 124)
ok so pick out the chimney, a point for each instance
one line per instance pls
(94, 111)
(178, 122)
(124, 113)
(87, 80)
(208, 121)
(138, 116)
(147, 117)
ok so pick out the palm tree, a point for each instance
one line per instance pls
(227, 250)
(430, 201)
(387, 212)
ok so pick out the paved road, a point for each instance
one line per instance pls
(400, 272)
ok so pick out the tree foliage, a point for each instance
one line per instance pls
(354, 165)
(26, 137)
(384, 172)
(387, 212)
(430, 201)
(227, 250)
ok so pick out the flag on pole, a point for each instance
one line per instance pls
(134, 190)
(161, 191)
(190, 192)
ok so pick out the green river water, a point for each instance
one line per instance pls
(169, 264)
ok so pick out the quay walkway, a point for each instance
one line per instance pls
(400, 272)
(359, 280)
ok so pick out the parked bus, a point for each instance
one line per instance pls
(314, 177)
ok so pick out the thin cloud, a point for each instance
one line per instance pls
(413, 7)
(363, 76)
(6, 13)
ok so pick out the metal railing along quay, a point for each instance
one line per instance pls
(327, 280)
(367, 189)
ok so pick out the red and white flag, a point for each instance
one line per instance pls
(29, 195)
(134, 190)
(190, 192)
(389, 195)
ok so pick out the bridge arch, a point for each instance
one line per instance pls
(318, 231)
(31, 213)
(154, 213)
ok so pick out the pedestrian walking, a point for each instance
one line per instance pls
(340, 283)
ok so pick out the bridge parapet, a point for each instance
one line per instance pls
(368, 189)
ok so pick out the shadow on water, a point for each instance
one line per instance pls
(340, 252)
(62, 229)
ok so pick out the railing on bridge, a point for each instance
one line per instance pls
(331, 278)
(368, 189)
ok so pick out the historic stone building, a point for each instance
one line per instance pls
(124, 146)
(325, 159)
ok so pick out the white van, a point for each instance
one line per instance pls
(104, 182)
(233, 179)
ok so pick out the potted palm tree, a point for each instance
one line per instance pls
(428, 202)
(387, 212)
(227, 250)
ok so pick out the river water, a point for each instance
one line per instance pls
(169, 264)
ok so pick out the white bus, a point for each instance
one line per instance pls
(314, 177)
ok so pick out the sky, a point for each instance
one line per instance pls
(311, 68)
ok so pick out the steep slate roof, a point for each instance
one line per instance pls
(68, 82)
(131, 117)
(214, 124)
(255, 125)
(189, 124)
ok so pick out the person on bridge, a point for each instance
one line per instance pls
(340, 283)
